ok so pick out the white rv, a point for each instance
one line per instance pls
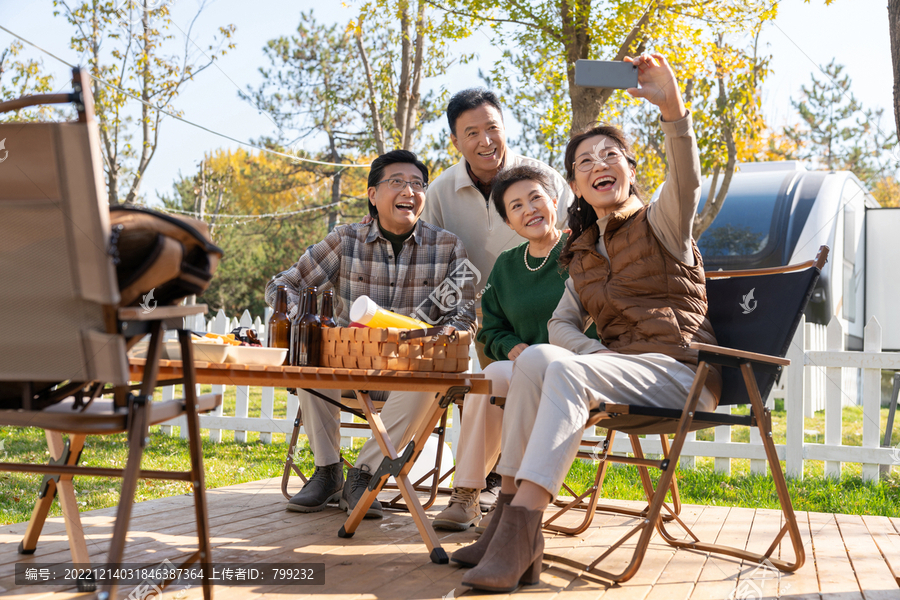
(779, 213)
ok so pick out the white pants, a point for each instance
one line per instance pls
(402, 414)
(479, 439)
(552, 391)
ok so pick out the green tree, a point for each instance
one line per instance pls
(827, 109)
(128, 47)
(263, 213)
(314, 87)
(836, 132)
(22, 77)
(558, 33)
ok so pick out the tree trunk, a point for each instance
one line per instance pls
(716, 198)
(405, 66)
(370, 86)
(412, 107)
(335, 211)
(894, 24)
(587, 102)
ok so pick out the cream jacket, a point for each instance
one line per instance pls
(452, 202)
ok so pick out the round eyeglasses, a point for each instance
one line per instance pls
(398, 185)
(586, 163)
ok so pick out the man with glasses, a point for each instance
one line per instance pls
(398, 261)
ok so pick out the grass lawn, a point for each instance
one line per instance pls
(231, 462)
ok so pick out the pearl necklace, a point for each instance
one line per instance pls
(544, 262)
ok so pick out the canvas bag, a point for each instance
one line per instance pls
(171, 256)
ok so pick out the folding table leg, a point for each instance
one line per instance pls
(289, 463)
(436, 553)
(198, 481)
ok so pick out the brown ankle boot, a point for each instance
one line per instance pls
(471, 554)
(514, 555)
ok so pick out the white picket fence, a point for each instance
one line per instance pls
(821, 377)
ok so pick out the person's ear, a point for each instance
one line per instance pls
(573, 185)
(455, 142)
(371, 192)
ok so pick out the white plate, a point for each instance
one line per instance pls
(214, 353)
(256, 355)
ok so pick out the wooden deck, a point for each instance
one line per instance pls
(848, 557)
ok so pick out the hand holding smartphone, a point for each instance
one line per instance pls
(606, 74)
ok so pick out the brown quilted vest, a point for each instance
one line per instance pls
(646, 300)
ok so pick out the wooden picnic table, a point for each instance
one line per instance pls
(447, 387)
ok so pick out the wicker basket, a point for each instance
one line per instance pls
(364, 348)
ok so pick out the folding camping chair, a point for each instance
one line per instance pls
(66, 337)
(753, 341)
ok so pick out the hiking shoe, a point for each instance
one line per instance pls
(357, 482)
(489, 493)
(462, 512)
(323, 487)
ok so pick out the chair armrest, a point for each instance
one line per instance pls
(136, 313)
(732, 353)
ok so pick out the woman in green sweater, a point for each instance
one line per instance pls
(522, 292)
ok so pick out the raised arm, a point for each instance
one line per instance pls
(672, 215)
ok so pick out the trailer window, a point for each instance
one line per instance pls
(744, 223)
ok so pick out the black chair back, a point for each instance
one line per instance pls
(758, 313)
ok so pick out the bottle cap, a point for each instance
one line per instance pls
(363, 309)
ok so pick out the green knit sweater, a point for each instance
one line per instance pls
(518, 303)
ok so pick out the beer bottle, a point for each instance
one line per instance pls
(278, 329)
(295, 327)
(327, 314)
(310, 343)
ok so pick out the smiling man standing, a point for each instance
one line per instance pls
(398, 261)
(459, 200)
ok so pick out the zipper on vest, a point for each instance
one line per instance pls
(487, 207)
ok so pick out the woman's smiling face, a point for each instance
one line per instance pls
(603, 176)
(530, 211)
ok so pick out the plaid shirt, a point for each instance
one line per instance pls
(432, 281)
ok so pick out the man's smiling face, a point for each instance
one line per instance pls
(398, 211)
(481, 138)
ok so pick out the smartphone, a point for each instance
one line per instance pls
(606, 74)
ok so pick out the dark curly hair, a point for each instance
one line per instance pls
(580, 220)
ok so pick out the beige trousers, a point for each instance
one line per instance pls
(479, 439)
(552, 391)
(483, 360)
(402, 414)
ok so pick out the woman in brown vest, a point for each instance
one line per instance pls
(636, 273)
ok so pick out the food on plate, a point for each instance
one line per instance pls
(224, 339)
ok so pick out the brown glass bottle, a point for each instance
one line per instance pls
(326, 316)
(310, 333)
(295, 328)
(278, 329)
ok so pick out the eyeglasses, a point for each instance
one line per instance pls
(399, 185)
(586, 163)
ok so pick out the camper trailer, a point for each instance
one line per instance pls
(779, 213)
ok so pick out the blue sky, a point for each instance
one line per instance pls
(854, 32)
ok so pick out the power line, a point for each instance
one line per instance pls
(174, 116)
(262, 216)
